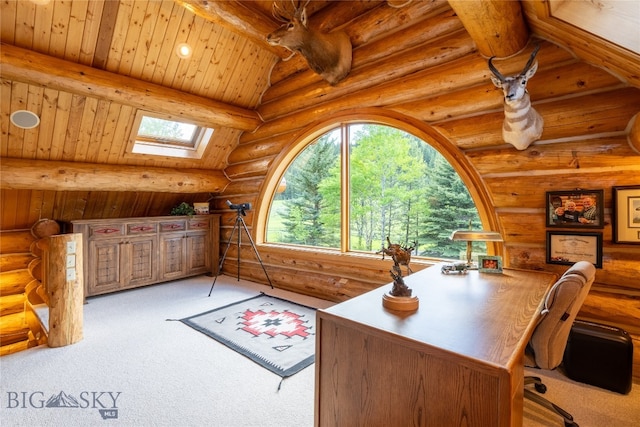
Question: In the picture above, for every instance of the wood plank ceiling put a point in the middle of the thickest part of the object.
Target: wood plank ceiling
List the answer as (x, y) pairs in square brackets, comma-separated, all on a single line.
[(129, 38)]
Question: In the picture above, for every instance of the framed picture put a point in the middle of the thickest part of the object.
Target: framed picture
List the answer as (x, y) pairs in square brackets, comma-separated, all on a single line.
[(565, 247), (489, 264), (626, 214), (576, 208)]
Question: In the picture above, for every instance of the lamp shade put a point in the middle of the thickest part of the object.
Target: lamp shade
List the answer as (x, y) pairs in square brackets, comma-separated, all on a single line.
[(470, 236), (476, 236)]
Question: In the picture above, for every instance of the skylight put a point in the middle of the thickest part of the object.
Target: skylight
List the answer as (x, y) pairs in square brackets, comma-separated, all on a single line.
[(159, 135)]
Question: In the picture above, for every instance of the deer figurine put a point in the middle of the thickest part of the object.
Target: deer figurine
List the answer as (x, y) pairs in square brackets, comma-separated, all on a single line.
[(522, 123), (328, 54), (401, 255)]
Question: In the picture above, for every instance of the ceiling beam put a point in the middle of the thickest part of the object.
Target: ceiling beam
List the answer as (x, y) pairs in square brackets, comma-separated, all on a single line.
[(238, 18), (41, 70), (27, 174), (496, 26)]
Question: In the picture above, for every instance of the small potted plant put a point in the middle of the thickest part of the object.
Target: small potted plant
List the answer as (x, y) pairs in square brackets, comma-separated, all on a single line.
[(183, 209)]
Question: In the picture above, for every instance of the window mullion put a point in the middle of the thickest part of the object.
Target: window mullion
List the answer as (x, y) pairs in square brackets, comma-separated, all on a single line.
[(345, 191)]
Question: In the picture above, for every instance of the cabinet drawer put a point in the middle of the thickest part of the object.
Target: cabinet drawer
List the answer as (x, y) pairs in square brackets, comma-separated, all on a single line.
[(168, 226), (104, 231), (198, 224), (142, 228)]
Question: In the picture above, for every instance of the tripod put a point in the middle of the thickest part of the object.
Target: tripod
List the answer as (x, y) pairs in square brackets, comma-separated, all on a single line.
[(239, 222)]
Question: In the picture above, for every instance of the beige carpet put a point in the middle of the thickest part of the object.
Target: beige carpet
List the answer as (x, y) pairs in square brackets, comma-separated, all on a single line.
[(590, 406), (138, 369)]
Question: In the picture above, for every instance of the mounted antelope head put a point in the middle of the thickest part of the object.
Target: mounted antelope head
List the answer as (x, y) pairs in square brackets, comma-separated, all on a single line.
[(522, 124), (328, 54)]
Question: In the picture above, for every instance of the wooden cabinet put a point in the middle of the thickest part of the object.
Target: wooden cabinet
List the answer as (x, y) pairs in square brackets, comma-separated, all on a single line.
[(132, 252), (184, 247)]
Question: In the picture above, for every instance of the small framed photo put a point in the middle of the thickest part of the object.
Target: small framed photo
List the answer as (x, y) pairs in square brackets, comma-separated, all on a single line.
[(489, 264), (576, 208), (565, 247), (626, 214)]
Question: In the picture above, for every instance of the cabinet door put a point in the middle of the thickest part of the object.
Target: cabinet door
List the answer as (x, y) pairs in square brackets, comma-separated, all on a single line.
[(104, 270), (172, 255), (140, 258), (198, 255)]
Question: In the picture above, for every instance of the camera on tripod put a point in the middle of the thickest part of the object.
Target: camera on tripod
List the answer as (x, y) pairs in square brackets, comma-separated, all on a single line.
[(239, 225), (241, 207)]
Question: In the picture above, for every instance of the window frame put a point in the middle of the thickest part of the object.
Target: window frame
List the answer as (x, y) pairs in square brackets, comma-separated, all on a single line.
[(425, 132), (145, 145)]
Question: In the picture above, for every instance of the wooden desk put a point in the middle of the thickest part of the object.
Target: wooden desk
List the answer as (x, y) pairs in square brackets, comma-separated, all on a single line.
[(456, 361)]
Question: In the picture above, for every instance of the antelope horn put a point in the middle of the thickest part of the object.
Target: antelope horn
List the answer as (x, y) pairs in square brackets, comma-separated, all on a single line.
[(531, 59), (495, 71)]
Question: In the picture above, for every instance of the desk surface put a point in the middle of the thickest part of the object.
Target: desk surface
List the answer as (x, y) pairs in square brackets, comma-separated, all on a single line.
[(484, 316)]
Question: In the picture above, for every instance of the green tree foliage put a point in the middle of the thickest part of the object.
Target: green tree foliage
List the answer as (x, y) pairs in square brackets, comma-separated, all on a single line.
[(450, 207), (385, 185), (166, 129), (399, 186), (306, 205)]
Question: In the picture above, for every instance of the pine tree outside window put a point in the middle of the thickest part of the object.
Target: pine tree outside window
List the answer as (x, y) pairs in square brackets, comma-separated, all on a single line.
[(383, 182)]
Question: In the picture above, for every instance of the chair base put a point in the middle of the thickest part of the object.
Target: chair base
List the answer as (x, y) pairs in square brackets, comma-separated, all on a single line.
[(541, 388)]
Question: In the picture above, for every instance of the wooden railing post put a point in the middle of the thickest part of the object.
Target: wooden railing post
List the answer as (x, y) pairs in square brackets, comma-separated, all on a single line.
[(65, 287)]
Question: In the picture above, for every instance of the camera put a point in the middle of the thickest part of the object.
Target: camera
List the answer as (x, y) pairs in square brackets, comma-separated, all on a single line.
[(241, 207)]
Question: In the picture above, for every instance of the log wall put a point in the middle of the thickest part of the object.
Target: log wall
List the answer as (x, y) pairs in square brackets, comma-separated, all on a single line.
[(587, 114), (15, 258)]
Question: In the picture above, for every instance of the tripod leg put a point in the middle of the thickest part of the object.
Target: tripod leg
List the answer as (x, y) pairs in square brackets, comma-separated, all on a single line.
[(253, 245), (224, 255)]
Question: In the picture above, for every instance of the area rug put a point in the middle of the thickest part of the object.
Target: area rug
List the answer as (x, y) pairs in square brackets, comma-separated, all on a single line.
[(275, 333)]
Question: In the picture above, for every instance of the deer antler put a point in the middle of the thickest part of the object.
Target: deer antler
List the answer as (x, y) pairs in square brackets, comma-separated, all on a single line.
[(279, 14)]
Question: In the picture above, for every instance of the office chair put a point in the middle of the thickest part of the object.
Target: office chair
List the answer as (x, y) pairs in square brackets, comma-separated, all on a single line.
[(546, 347)]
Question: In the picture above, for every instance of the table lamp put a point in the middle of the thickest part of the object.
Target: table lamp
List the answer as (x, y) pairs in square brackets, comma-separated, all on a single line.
[(471, 236)]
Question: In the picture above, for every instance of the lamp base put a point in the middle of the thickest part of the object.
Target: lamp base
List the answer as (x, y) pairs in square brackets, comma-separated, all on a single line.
[(400, 303)]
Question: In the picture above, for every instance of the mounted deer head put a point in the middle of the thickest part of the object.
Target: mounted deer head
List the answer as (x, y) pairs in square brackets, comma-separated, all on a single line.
[(522, 124), (328, 54)]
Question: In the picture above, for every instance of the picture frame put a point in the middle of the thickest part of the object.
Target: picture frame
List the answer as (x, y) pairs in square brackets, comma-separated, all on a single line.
[(567, 248), (489, 264), (575, 208), (626, 214)]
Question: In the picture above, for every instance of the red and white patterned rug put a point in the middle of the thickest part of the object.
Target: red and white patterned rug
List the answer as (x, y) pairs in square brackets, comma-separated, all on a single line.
[(275, 333)]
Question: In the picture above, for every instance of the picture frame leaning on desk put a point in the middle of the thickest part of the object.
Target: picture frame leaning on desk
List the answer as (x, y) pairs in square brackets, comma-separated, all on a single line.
[(490, 264)]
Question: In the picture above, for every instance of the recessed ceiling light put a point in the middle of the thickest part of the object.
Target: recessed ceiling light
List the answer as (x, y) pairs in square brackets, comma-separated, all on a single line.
[(184, 51), (25, 119)]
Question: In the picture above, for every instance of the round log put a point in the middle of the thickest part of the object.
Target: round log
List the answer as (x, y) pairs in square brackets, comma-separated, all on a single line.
[(33, 292), (35, 268), (15, 241), (11, 304), (497, 26), (45, 228), (9, 262), (14, 282), (36, 248), (64, 284), (26, 174)]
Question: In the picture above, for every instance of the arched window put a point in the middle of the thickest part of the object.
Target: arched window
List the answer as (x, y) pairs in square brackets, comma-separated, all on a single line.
[(359, 183)]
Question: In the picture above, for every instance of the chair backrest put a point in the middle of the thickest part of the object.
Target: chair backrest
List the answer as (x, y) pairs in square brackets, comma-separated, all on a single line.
[(561, 307)]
